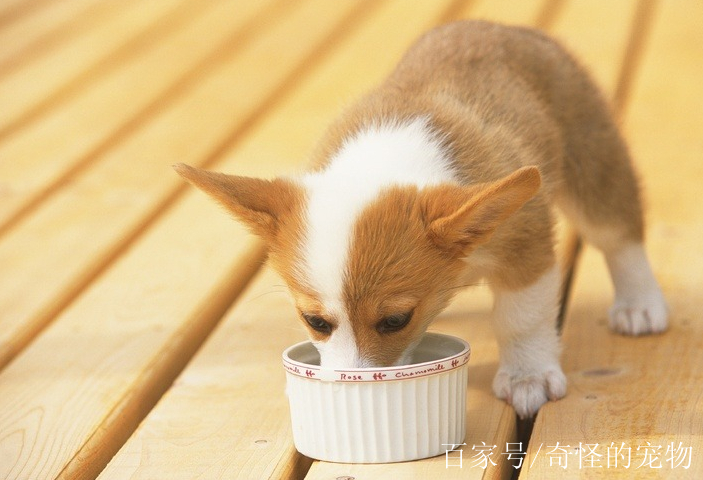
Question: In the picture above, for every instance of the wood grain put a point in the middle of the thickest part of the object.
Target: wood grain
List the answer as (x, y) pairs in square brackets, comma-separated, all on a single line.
[(38, 32)]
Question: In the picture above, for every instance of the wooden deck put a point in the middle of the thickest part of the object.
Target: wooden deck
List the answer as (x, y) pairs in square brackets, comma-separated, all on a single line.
[(140, 332)]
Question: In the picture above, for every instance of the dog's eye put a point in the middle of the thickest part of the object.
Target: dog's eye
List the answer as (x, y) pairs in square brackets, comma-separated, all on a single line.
[(318, 323), (393, 323)]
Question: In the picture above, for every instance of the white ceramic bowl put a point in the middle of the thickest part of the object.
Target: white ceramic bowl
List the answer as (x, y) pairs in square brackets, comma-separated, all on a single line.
[(378, 415)]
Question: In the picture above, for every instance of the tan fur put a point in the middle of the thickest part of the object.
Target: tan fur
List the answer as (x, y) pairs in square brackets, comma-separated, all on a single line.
[(422, 237), (262, 204), (272, 209), (525, 129), (482, 211), (411, 268), (506, 97)]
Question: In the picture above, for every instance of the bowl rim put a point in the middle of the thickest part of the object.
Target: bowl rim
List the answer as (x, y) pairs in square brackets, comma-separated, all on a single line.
[(378, 374)]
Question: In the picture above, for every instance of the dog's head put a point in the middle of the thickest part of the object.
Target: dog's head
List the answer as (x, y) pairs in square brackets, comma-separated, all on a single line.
[(368, 276)]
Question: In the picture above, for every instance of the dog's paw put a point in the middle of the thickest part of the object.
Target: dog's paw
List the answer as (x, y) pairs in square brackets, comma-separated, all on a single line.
[(526, 392), (640, 316)]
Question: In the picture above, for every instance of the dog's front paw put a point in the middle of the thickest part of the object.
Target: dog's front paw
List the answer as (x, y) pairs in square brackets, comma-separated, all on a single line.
[(527, 391), (640, 316)]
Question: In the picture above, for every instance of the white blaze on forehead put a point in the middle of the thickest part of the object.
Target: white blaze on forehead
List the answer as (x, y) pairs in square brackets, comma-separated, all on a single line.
[(374, 159), (340, 350)]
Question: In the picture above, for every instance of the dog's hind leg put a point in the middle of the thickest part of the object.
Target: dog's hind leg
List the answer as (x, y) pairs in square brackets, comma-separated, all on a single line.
[(600, 196), (639, 307)]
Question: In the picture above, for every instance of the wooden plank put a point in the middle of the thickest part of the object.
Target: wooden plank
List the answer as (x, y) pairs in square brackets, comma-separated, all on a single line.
[(105, 361), (625, 391), (506, 11), (132, 182), (14, 10), (108, 110), (226, 410), (74, 395), (93, 112), (46, 28), (23, 88), (162, 440)]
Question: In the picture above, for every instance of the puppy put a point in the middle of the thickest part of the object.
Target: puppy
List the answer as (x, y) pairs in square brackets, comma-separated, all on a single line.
[(446, 174)]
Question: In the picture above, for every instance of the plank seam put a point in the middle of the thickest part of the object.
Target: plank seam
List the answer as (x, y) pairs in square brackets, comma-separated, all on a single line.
[(548, 14), (455, 10), (53, 37), (294, 78), (644, 18), (13, 14), (159, 28), (229, 47), (124, 418)]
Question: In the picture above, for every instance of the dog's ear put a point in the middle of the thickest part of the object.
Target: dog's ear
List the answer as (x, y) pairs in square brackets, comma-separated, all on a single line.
[(460, 218), (257, 203)]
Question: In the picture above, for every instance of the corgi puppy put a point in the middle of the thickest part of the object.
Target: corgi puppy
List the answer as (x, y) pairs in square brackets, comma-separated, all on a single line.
[(445, 174)]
